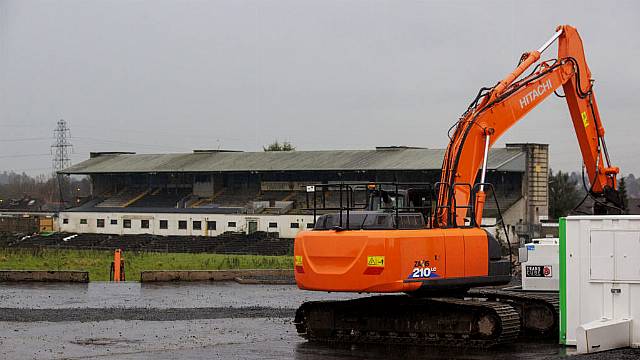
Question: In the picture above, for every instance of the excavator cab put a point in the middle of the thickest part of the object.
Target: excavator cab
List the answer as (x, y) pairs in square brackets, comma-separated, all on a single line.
[(365, 206), (418, 199)]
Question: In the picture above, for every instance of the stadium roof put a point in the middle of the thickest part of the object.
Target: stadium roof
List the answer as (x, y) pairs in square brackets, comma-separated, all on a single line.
[(396, 158)]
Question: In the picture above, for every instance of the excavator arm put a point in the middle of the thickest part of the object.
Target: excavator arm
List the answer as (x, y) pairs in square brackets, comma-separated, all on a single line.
[(496, 109)]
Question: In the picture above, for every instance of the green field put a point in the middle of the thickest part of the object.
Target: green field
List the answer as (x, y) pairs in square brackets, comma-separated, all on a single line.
[(98, 263)]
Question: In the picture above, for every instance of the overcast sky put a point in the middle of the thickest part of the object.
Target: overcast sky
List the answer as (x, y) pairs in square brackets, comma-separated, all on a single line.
[(173, 76)]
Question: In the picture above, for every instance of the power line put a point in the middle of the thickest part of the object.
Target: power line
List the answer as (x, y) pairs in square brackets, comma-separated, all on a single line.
[(28, 169), (108, 141), (22, 156), (25, 139), (146, 132)]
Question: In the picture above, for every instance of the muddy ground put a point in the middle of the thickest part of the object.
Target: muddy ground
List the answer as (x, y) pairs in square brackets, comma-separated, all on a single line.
[(193, 320)]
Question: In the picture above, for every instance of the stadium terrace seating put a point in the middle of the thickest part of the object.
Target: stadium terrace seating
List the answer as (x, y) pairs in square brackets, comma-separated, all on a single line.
[(200, 201), (278, 202), (272, 196), (161, 198), (124, 197), (231, 199), (279, 208)]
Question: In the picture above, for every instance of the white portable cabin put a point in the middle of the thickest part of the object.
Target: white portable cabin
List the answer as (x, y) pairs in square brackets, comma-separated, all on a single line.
[(600, 282)]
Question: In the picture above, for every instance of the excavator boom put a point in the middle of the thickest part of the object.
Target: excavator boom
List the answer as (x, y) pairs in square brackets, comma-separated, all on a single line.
[(499, 108)]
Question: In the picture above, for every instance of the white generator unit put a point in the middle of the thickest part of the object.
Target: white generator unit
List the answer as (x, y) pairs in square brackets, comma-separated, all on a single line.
[(540, 263), (600, 282)]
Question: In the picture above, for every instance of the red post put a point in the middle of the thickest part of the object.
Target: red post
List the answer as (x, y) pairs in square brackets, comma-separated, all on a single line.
[(116, 265)]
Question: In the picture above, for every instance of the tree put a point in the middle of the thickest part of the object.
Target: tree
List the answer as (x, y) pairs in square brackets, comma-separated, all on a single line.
[(41, 187), (563, 194), (633, 187), (277, 146), (622, 188)]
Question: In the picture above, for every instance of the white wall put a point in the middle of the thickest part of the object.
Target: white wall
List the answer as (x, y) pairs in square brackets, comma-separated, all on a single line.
[(283, 223)]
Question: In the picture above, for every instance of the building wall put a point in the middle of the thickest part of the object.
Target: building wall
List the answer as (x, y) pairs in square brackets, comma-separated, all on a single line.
[(28, 221), (87, 222), (512, 217), (535, 184)]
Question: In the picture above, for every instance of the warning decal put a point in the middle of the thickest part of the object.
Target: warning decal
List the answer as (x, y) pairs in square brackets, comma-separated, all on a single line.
[(375, 261)]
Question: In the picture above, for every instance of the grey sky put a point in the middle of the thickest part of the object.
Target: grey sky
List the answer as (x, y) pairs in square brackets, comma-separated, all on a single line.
[(170, 76)]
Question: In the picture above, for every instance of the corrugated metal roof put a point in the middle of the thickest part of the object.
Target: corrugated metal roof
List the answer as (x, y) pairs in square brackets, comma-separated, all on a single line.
[(392, 159)]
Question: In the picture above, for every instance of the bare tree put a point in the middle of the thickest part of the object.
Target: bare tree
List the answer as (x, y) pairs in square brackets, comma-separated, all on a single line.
[(277, 146)]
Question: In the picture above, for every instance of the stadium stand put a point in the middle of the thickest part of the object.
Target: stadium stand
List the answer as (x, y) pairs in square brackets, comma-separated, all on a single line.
[(217, 185)]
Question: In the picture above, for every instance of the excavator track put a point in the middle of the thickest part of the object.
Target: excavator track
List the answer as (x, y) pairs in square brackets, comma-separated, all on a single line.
[(402, 319), (539, 312)]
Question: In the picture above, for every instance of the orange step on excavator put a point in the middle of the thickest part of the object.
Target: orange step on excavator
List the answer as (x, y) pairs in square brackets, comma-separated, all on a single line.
[(435, 251)]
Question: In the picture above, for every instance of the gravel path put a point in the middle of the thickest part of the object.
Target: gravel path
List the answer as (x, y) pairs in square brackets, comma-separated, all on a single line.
[(144, 314)]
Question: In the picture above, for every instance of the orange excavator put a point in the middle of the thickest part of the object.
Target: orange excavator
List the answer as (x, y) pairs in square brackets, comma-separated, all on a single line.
[(433, 255)]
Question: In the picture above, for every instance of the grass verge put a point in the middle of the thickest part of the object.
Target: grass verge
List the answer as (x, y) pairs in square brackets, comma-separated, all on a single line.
[(98, 262)]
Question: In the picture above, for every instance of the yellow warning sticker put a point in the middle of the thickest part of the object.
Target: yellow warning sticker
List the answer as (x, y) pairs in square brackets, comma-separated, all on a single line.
[(585, 120), (298, 260), (375, 261)]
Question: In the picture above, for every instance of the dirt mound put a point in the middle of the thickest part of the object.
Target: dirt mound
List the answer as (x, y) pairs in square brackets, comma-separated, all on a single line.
[(258, 243)]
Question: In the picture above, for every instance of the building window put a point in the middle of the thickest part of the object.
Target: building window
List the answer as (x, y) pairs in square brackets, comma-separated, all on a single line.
[(211, 225), (83, 221), (231, 224), (182, 224), (273, 225), (295, 225), (164, 224), (114, 222), (197, 225), (65, 221), (126, 223), (144, 224), (100, 223), (309, 225)]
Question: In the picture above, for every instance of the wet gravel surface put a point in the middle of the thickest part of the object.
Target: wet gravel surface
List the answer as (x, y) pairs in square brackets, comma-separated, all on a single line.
[(156, 295), (195, 321), (145, 314)]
